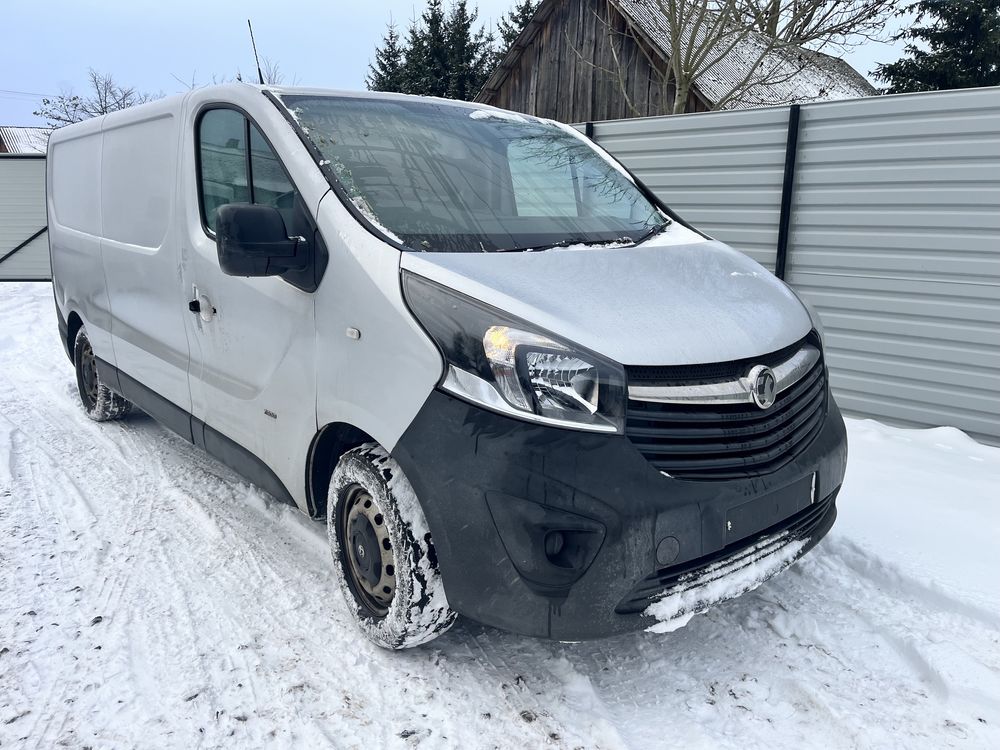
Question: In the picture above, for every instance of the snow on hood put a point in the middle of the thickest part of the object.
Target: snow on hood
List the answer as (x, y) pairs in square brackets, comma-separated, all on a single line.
[(677, 299)]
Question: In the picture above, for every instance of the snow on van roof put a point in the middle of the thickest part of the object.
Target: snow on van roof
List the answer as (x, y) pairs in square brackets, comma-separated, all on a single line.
[(281, 91)]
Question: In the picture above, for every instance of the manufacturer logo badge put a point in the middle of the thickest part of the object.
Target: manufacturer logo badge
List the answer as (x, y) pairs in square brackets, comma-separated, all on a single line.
[(763, 386)]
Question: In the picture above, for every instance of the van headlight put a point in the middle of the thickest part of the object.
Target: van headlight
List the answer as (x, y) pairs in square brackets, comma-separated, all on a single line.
[(506, 365)]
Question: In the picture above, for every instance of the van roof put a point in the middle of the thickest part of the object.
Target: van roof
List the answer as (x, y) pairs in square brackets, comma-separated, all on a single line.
[(385, 95), (167, 103)]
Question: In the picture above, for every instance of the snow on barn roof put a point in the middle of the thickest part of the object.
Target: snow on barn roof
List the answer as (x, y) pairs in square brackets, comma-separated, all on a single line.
[(793, 74), (17, 140)]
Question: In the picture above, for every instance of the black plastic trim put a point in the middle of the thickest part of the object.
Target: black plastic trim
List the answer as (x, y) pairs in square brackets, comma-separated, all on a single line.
[(812, 523), (787, 183), (195, 431), (487, 482)]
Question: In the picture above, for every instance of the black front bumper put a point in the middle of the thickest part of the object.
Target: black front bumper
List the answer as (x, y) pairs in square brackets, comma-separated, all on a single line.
[(551, 532)]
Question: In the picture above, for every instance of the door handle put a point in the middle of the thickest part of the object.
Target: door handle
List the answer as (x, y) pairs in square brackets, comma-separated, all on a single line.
[(202, 307)]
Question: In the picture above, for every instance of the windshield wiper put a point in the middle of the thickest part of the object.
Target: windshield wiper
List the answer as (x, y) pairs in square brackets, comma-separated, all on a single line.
[(571, 241), (652, 232), (624, 241)]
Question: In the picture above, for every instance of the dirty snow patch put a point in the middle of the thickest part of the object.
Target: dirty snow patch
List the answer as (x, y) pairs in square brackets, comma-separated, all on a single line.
[(723, 580)]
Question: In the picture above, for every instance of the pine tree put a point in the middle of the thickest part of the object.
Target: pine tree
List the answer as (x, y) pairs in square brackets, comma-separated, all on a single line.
[(426, 67), (445, 53), (963, 48), (514, 21), (386, 73), (470, 52)]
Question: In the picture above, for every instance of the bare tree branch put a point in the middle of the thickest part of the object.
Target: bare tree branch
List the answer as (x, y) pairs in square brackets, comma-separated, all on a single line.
[(104, 96), (806, 23)]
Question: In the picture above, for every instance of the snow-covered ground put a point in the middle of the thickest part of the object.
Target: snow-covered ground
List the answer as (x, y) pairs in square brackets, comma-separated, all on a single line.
[(150, 598)]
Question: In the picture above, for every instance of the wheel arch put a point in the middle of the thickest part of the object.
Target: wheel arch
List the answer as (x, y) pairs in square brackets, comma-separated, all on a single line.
[(73, 325), (330, 443)]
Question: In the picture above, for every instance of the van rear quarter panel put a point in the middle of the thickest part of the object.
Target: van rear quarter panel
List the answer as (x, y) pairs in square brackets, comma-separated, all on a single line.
[(140, 247), (74, 217)]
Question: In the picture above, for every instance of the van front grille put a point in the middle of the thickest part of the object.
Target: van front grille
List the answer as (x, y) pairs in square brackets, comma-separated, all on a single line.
[(726, 441)]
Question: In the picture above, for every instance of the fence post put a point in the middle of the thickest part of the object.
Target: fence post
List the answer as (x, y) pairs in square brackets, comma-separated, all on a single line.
[(588, 130), (791, 150)]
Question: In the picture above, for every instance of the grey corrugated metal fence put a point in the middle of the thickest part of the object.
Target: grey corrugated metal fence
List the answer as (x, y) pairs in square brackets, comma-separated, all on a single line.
[(893, 234)]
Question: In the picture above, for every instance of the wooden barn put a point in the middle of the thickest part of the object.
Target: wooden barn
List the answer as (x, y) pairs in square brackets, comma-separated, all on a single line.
[(563, 66)]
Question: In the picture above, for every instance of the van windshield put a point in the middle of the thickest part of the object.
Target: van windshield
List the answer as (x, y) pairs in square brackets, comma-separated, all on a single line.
[(444, 177)]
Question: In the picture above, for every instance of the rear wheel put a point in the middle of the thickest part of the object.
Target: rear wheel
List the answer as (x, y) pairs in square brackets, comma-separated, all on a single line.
[(383, 551), (99, 402)]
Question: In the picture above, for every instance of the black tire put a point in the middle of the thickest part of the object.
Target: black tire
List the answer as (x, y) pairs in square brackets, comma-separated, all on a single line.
[(99, 402), (383, 552)]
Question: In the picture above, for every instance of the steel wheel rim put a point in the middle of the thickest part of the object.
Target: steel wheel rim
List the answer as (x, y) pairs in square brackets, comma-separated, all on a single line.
[(88, 370), (366, 552)]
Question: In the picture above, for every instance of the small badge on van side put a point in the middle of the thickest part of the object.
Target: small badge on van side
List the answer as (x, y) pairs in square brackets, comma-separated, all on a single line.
[(270, 413)]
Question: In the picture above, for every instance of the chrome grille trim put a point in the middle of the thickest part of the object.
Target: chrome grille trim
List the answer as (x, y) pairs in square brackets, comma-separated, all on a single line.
[(731, 391)]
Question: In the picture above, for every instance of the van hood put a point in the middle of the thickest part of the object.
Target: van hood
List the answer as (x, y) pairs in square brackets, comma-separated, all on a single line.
[(658, 304)]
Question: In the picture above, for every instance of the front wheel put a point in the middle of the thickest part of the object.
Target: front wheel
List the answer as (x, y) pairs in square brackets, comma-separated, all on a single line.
[(99, 402), (383, 551)]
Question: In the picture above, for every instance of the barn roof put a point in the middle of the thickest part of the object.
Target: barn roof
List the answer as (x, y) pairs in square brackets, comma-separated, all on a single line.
[(795, 74), (17, 140)]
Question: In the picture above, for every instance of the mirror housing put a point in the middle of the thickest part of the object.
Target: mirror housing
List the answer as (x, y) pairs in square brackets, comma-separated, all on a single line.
[(252, 241)]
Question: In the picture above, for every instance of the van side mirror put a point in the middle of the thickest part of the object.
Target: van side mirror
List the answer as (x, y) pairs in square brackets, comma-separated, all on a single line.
[(252, 241)]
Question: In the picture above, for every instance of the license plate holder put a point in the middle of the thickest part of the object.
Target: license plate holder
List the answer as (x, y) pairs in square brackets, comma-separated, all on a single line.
[(763, 512)]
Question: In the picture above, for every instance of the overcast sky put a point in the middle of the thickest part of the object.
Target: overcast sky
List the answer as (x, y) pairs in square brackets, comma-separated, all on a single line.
[(47, 47)]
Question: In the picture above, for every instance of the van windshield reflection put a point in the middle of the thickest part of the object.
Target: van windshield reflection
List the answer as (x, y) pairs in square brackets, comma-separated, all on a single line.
[(443, 177)]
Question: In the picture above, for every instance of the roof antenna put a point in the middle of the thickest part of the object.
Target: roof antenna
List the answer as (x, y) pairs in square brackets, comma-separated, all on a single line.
[(260, 75)]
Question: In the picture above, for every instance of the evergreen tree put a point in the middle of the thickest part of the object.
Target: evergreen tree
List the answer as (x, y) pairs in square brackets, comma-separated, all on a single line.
[(470, 52), (386, 73), (427, 52), (963, 41), (514, 21), (446, 52)]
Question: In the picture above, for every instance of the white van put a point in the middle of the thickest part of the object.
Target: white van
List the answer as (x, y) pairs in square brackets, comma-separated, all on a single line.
[(515, 385)]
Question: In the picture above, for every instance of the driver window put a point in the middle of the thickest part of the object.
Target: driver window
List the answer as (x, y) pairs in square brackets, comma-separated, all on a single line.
[(271, 186), (223, 149), (232, 173)]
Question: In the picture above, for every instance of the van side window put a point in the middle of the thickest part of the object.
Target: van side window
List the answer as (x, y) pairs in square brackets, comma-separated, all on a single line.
[(270, 185), (233, 173), (223, 146)]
